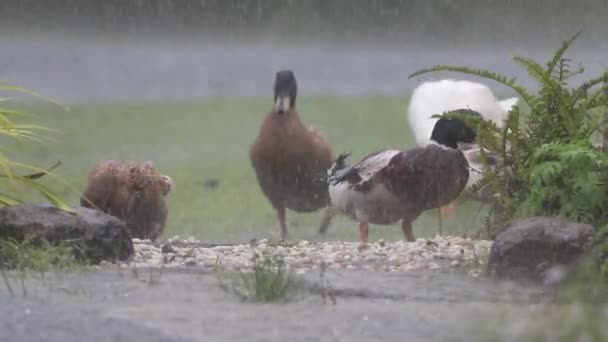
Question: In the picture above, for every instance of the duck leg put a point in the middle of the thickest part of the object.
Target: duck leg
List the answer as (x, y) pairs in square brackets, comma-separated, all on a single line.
[(326, 221), (281, 216), (406, 226), (364, 234), (447, 210)]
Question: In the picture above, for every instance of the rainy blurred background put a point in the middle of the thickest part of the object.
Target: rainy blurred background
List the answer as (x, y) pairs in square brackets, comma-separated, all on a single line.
[(186, 83)]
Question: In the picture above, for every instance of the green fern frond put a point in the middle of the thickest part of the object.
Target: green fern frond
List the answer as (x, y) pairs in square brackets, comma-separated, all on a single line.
[(547, 164), (559, 53)]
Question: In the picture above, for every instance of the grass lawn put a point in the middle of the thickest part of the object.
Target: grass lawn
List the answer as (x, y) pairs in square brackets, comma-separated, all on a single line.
[(195, 141)]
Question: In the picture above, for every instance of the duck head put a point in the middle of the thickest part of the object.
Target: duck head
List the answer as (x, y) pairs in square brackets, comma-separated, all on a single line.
[(451, 131), (285, 91), (167, 185)]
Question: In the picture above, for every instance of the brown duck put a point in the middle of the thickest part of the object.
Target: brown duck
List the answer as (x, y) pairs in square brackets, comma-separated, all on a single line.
[(133, 191), (290, 159), (393, 185)]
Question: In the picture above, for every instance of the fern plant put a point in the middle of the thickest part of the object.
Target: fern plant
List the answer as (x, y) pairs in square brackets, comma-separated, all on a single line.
[(11, 170), (548, 165)]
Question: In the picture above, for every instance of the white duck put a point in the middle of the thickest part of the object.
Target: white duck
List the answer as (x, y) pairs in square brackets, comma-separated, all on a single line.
[(437, 97)]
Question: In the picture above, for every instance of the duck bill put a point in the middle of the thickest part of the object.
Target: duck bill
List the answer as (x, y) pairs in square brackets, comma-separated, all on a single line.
[(282, 104)]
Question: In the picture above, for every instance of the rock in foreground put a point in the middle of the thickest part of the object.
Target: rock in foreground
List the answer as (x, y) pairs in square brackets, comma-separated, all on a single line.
[(529, 247), (99, 236)]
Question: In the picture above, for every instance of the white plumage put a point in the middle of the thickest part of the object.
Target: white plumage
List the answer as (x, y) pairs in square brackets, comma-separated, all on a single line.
[(437, 97)]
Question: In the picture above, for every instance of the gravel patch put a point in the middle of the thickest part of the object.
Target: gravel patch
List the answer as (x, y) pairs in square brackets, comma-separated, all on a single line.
[(305, 256)]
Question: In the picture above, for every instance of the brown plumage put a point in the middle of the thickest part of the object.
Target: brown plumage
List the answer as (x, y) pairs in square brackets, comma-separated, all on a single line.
[(393, 185), (291, 160), (132, 191)]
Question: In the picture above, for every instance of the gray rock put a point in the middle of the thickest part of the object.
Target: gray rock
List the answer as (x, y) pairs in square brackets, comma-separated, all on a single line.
[(529, 247), (99, 236)]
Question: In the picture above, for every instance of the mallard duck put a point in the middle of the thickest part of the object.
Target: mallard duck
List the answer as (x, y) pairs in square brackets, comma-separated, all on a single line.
[(132, 191), (437, 97), (392, 185), (290, 159)]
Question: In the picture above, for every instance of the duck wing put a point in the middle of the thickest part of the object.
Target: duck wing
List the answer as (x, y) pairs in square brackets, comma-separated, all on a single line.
[(361, 172), (427, 177)]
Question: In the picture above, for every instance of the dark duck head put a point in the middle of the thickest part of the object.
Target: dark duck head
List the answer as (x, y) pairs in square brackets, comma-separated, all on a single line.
[(285, 91), (451, 131)]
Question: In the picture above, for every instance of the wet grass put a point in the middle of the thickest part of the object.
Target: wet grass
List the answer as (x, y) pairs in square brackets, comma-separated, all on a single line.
[(269, 281), (199, 143)]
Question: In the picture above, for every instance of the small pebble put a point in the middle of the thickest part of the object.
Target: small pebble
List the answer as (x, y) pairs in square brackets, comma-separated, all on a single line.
[(398, 256), (167, 248)]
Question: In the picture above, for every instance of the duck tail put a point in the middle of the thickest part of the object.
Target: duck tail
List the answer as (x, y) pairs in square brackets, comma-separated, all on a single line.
[(338, 166), (341, 160)]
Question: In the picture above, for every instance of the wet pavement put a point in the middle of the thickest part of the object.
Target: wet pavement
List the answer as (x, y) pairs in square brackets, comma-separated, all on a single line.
[(147, 70), (188, 305)]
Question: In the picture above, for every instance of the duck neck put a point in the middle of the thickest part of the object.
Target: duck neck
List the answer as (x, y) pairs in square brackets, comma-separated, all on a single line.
[(443, 144)]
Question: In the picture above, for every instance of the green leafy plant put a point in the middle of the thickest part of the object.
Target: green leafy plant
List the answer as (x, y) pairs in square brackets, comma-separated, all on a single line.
[(11, 168), (547, 162), (269, 281), (35, 255)]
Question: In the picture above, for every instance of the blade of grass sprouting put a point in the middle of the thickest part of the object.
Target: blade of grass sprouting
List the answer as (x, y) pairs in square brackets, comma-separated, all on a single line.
[(56, 177), (24, 90), (27, 135), (8, 200), (21, 137), (6, 121), (5, 165), (37, 127), (247, 283), (48, 193), (17, 112), (41, 174)]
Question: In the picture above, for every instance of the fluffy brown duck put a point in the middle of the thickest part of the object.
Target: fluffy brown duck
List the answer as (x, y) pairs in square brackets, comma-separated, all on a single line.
[(132, 191), (290, 159), (393, 185)]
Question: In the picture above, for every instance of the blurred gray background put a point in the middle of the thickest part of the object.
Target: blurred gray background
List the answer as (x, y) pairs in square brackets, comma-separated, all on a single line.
[(114, 50)]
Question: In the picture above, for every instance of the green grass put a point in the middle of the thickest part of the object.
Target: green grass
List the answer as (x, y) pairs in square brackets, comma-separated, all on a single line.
[(269, 281), (194, 141), (37, 255)]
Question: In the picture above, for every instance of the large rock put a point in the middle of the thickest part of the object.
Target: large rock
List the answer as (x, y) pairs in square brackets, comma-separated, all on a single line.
[(100, 236), (529, 247)]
